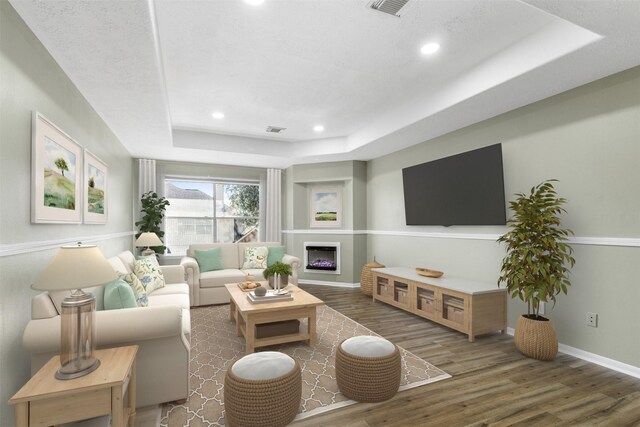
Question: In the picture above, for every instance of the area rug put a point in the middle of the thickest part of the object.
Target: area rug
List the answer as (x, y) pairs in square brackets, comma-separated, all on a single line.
[(215, 346)]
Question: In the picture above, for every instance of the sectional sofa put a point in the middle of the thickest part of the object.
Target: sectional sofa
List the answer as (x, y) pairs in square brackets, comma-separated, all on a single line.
[(162, 331)]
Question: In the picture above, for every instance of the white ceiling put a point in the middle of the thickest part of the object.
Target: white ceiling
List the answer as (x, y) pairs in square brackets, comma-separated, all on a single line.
[(155, 70)]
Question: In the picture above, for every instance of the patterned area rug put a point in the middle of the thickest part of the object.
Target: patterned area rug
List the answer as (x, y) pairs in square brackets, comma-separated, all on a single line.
[(215, 346)]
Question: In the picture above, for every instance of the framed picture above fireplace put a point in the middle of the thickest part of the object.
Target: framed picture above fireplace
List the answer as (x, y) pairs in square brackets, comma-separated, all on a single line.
[(326, 207)]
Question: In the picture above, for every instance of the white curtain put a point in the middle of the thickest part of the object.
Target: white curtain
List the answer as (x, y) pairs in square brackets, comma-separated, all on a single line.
[(273, 208), (146, 182), (147, 176)]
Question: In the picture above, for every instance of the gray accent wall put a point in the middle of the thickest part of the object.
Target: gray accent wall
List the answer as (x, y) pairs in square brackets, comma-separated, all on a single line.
[(31, 80), (587, 138)]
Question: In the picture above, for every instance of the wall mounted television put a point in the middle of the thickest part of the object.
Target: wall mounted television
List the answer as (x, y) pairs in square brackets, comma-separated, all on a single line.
[(465, 189)]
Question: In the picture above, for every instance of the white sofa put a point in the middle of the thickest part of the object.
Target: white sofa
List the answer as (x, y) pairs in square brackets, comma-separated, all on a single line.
[(208, 287), (162, 331)]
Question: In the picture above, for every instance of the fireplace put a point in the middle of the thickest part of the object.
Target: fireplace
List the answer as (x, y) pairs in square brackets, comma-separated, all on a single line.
[(322, 257)]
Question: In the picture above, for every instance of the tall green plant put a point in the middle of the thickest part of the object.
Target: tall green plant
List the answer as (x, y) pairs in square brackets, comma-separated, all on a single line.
[(153, 208), (535, 267)]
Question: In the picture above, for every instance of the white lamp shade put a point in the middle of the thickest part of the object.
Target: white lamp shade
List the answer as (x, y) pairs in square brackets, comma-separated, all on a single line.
[(148, 239), (75, 267)]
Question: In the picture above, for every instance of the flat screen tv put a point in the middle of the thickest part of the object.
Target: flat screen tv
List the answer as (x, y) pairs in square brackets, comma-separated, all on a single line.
[(465, 189)]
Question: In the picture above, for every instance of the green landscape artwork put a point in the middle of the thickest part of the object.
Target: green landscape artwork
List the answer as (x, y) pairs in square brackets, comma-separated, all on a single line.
[(95, 190), (59, 176), (326, 206)]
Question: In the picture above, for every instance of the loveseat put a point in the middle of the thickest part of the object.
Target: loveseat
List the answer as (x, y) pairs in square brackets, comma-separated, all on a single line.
[(208, 287), (162, 331)]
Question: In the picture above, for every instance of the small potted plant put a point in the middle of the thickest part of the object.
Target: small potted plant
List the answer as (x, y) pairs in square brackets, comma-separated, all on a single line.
[(535, 268), (284, 270)]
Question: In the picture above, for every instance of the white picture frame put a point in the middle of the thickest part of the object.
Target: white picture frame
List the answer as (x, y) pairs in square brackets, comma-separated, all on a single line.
[(325, 207), (55, 197), (95, 190)]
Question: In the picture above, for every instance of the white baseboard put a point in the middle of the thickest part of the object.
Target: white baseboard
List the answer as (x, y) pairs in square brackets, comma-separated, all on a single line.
[(324, 283), (615, 365)]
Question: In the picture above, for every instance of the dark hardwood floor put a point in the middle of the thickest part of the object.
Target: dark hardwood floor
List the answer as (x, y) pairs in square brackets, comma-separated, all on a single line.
[(492, 384)]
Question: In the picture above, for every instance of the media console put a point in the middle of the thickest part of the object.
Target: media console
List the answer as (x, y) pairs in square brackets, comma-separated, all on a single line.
[(473, 308)]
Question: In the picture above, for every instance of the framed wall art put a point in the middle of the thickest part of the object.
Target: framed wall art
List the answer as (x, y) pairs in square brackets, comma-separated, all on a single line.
[(95, 189), (326, 207), (56, 174)]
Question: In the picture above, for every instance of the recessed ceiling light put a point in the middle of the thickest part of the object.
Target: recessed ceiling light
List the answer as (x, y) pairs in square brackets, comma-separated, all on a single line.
[(217, 115), (429, 48), (254, 2), (318, 128)]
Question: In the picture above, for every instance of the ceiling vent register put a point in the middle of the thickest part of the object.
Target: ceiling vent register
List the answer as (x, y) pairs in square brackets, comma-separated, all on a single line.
[(392, 7), (275, 129)]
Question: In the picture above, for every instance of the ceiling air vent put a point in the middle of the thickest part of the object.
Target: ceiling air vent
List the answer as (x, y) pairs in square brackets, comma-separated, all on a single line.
[(392, 7), (275, 129)]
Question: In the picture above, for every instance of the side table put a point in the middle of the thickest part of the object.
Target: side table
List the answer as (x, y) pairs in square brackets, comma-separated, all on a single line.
[(45, 400)]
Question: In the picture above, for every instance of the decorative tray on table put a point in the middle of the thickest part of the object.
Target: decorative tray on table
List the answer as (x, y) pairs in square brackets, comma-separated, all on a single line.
[(248, 286)]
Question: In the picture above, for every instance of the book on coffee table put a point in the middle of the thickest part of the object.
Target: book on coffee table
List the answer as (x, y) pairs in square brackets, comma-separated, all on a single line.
[(271, 296)]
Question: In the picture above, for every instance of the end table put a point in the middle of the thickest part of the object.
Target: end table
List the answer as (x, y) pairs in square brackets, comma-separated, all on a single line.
[(45, 400)]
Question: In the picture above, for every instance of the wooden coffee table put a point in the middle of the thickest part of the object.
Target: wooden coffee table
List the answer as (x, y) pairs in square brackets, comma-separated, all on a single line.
[(247, 315)]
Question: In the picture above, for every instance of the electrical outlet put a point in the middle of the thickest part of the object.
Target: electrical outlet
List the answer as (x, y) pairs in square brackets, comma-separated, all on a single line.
[(592, 320)]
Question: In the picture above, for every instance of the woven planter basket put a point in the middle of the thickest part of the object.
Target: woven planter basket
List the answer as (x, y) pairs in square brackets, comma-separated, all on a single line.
[(366, 277), (536, 338), (368, 379), (258, 403)]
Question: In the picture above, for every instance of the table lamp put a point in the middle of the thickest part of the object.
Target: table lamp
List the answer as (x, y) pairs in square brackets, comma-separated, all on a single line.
[(73, 268), (148, 239)]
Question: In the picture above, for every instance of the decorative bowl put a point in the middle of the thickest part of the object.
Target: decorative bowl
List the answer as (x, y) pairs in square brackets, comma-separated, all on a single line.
[(428, 273)]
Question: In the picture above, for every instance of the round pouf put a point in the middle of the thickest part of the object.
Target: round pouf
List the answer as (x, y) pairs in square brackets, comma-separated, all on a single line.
[(368, 368), (262, 389)]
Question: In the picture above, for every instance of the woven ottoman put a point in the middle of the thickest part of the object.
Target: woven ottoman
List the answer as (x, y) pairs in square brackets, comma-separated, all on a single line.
[(368, 368), (262, 389)]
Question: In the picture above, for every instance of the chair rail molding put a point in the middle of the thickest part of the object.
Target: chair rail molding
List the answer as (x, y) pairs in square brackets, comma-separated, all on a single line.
[(577, 240), (43, 245)]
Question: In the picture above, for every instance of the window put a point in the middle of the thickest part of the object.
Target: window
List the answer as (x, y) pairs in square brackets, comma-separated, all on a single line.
[(210, 212)]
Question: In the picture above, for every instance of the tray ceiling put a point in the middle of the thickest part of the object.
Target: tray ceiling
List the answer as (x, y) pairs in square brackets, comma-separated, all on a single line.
[(156, 70)]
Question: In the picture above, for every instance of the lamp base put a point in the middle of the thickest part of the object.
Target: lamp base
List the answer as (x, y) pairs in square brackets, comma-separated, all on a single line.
[(71, 375), (148, 252), (78, 336)]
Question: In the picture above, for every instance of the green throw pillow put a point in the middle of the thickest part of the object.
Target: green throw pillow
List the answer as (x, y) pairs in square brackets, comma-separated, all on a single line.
[(276, 253), (209, 259), (118, 294)]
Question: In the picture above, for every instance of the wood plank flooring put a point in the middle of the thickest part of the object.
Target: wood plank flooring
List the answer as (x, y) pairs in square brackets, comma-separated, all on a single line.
[(492, 384)]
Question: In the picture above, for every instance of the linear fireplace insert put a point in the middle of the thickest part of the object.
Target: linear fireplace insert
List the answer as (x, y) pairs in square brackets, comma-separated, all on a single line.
[(322, 257)]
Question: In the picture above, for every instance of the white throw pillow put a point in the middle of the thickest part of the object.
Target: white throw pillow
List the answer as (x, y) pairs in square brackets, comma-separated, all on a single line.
[(255, 257), (149, 274)]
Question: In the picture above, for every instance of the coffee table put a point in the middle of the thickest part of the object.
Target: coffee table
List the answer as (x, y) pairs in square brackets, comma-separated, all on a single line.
[(247, 315)]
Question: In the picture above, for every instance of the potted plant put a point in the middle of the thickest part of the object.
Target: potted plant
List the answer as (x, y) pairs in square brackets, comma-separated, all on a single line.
[(284, 270), (535, 268), (153, 208)]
